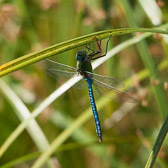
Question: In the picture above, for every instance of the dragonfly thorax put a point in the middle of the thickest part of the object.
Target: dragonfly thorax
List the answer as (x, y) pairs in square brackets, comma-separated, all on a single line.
[(81, 55), (83, 63)]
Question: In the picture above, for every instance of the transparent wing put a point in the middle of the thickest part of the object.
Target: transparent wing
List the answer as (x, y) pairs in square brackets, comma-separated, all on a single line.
[(110, 81), (58, 66), (55, 70), (104, 84), (63, 72), (103, 88), (54, 73)]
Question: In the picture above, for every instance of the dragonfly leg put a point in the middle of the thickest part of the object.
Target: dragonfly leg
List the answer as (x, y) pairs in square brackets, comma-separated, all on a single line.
[(91, 55), (99, 51), (89, 49)]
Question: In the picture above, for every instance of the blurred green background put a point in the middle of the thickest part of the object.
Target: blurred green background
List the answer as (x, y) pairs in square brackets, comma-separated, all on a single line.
[(128, 136)]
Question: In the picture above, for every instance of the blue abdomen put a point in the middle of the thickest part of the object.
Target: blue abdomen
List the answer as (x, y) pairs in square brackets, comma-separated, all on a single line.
[(94, 109)]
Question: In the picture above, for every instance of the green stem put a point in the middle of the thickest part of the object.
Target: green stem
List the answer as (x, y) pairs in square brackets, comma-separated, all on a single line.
[(68, 45)]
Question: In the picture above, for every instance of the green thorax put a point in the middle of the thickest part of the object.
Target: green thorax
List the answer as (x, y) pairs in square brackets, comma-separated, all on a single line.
[(83, 63)]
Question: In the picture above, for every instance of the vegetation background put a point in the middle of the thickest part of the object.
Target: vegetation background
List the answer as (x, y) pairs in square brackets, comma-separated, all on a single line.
[(129, 129)]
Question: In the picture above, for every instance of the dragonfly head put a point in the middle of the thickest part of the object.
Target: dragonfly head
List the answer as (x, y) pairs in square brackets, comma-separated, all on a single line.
[(81, 55)]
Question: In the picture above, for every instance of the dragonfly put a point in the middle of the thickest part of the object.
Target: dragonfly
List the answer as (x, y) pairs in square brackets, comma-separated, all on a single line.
[(84, 68)]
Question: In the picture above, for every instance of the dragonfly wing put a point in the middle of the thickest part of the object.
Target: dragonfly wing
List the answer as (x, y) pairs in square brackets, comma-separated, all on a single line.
[(57, 70), (110, 81), (54, 73), (103, 88), (58, 66), (63, 72), (80, 85)]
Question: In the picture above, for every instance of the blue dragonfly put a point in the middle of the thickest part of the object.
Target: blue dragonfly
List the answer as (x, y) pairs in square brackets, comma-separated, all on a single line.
[(84, 68)]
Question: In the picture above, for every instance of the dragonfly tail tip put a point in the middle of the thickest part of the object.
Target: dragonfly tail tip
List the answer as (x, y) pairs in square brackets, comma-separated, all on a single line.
[(100, 139)]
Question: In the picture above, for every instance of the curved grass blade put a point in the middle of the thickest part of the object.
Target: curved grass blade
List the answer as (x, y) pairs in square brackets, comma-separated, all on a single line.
[(68, 45), (160, 138), (149, 160), (21, 160)]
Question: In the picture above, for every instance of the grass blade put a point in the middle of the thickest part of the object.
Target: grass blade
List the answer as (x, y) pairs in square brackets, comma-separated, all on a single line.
[(160, 138), (68, 45)]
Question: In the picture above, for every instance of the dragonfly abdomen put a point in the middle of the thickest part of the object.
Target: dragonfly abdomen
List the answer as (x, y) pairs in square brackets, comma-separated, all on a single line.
[(94, 109)]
